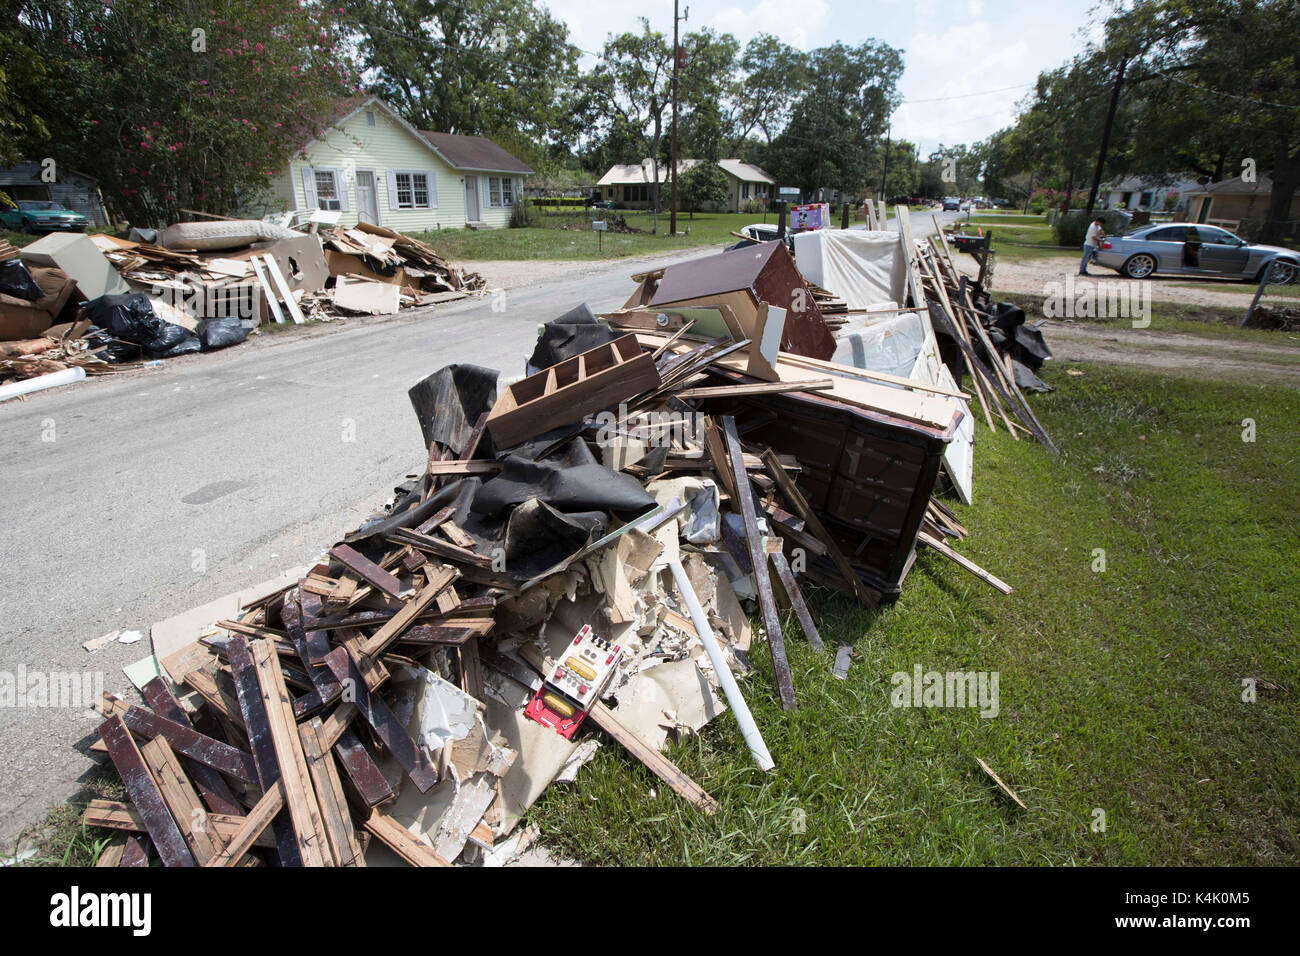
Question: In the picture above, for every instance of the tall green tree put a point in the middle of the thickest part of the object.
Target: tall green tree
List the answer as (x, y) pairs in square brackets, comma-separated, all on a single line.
[(172, 104), (774, 75), (501, 68)]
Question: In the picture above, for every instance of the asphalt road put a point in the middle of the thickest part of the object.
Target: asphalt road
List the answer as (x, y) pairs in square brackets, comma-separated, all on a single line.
[(131, 498)]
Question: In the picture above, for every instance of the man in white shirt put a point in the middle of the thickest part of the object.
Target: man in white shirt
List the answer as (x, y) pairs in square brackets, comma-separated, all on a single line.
[(1092, 244)]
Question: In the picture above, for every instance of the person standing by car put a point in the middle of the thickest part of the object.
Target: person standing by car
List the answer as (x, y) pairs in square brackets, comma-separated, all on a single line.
[(1092, 244)]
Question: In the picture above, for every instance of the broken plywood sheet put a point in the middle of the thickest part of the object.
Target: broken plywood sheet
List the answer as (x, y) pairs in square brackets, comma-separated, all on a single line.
[(366, 296)]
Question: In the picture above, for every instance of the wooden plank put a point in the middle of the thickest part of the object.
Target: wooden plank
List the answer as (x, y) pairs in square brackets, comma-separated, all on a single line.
[(368, 781), (795, 498), (336, 818), (401, 841), (390, 730), (251, 827), (257, 724), (655, 762), (457, 467), (758, 561), (758, 388), (211, 753), (277, 277), (441, 549), (212, 786), (145, 794), (267, 290), (368, 571), (794, 598), (935, 544), (133, 854), (717, 452), (407, 615), (111, 855), (181, 800), (116, 815), (310, 645), (299, 795)]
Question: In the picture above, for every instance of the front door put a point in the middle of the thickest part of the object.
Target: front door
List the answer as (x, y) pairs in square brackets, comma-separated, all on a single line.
[(471, 199), (367, 197)]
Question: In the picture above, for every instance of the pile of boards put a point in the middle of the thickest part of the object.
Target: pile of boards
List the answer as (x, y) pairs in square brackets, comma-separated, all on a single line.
[(403, 698)]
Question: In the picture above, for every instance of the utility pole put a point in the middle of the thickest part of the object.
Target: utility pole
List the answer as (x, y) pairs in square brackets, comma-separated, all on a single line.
[(675, 161), (1105, 136), (885, 174)]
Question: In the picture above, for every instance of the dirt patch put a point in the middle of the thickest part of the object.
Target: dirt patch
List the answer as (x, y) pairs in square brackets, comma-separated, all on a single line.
[(1175, 353), (1032, 276)]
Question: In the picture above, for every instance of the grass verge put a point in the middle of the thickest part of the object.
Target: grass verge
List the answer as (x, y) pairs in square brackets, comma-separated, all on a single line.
[(1120, 690)]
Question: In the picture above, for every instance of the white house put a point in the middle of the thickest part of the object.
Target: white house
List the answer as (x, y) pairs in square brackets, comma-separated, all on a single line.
[(630, 185), (371, 165), (1148, 193)]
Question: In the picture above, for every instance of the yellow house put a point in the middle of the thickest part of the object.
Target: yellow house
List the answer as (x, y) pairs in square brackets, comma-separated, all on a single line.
[(371, 165)]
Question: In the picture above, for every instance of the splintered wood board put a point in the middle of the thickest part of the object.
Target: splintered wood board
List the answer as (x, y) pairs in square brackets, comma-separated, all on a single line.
[(563, 393)]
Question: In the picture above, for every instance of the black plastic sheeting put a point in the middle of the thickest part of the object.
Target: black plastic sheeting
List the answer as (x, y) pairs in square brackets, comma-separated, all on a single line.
[(573, 333), (17, 281), (131, 318), (571, 480), (1027, 345), (449, 402)]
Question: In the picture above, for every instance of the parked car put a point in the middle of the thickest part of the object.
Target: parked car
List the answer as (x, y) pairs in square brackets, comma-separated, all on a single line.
[(1185, 248), (42, 215), (951, 203)]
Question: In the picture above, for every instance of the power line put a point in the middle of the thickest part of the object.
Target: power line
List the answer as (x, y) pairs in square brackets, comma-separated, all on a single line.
[(1231, 96), (963, 96)]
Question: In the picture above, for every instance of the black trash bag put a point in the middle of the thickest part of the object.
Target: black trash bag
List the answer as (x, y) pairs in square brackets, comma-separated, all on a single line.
[(573, 333), (131, 317), (111, 350), (570, 480), (221, 333), (1026, 380), (17, 281)]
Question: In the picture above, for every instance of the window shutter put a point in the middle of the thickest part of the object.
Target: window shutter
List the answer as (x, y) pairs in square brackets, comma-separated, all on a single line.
[(433, 188), (392, 189), (309, 186), (341, 186)]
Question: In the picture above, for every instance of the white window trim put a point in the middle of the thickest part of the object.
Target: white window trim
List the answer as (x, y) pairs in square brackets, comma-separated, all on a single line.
[(501, 180), (309, 191), (432, 179)]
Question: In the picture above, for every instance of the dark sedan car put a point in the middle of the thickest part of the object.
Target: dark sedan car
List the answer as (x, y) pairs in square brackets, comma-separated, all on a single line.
[(1184, 248)]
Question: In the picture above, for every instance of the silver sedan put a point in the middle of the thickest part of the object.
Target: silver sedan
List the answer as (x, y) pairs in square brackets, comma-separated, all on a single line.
[(1185, 248)]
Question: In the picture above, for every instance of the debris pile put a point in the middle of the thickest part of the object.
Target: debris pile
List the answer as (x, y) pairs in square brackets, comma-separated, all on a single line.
[(197, 287), (567, 568)]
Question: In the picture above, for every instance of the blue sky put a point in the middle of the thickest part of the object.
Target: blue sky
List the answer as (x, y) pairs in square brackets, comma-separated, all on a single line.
[(954, 48)]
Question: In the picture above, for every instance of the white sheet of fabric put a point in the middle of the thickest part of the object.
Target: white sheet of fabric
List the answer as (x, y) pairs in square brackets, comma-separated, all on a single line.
[(862, 267)]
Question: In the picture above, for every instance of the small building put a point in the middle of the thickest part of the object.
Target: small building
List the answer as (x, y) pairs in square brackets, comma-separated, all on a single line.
[(631, 186), (1232, 203), (72, 189), (1152, 194), (369, 164)]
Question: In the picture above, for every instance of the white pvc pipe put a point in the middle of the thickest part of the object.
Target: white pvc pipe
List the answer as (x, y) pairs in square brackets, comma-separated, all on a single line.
[(49, 380), (748, 729)]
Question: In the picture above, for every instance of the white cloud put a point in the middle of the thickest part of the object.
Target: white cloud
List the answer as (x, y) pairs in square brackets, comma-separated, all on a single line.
[(799, 22)]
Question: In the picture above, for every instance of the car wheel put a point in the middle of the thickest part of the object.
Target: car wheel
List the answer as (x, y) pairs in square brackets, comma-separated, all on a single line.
[(28, 227), (1281, 273), (1139, 266)]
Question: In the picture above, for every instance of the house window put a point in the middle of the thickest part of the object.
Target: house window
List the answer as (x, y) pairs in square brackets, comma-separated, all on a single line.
[(501, 191), (370, 117), (328, 194), (412, 190), (744, 190)]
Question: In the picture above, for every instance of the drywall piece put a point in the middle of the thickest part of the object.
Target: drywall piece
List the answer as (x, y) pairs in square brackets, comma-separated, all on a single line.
[(366, 296), (80, 259), (668, 698), (302, 260)]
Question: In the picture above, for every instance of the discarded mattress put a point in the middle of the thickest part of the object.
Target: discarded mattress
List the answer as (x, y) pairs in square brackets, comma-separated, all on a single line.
[(864, 268), (223, 234)]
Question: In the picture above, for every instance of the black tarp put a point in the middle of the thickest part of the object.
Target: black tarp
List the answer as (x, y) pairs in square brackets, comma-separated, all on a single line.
[(573, 333), (449, 402), (570, 479)]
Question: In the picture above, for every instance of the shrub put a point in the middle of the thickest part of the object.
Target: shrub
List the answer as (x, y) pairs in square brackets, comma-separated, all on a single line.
[(520, 214)]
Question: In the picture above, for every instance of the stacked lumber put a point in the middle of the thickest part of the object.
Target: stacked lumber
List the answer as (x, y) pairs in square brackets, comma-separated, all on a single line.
[(951, 300)]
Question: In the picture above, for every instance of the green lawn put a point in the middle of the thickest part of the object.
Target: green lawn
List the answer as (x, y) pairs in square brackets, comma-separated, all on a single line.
[(1120, 691), (549, 240)]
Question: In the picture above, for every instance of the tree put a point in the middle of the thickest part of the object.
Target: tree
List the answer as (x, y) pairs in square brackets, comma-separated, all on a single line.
[(834, 125), (775, 74), (628, 92), (500, 68), (702, 184), (172, 107)]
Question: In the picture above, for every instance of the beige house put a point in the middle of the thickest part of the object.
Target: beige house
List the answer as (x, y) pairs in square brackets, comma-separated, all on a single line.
[(1230, 202), (371, 165), (630, 186)]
